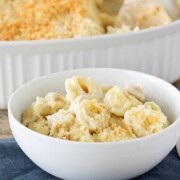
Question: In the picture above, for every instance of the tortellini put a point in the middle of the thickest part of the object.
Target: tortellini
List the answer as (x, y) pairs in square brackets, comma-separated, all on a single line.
[(83, 86), (56, 101), (60, 123), (142, 14), (135, 91), (119, 101), (43, 107), (63, 125), (93, 113), (106, 88), (116, 131), (145, 119), (41, 126), (37, 110)]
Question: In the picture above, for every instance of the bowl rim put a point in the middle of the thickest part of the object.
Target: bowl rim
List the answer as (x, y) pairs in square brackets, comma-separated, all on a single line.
[(58, 140), (102, 37)]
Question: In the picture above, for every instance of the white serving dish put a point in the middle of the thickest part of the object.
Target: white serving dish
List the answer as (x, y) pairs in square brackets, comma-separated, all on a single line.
[(82, 160), (155, 51)]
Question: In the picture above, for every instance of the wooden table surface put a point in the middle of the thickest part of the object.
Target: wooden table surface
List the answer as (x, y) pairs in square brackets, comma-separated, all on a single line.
[(5, 131)]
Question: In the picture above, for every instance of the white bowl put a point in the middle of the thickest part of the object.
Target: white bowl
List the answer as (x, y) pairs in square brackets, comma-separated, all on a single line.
[(155, 51), (82, 160)]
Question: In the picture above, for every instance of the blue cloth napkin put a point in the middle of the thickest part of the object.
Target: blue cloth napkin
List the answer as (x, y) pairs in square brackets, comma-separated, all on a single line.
[(15, 165)]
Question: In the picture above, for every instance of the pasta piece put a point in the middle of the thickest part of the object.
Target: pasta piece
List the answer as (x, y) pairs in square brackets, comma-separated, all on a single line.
[(60, 123), (135, 91), (83, 86), (145, 119), (40, 126), (116, 131), (64, 126), (74, 104), (92, 115), (80, 133), (37, 110), (122, 29), (119, 101), (106, 88), (43, 107), (142, 14), (56, 101), (112, 135)]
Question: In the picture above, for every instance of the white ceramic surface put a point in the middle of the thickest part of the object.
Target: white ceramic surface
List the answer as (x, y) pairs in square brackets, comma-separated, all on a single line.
[(79, 160), (155, 51)]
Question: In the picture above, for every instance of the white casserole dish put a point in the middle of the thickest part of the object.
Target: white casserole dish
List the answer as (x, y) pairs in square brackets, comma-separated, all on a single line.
[(89, 160), (155, 51)]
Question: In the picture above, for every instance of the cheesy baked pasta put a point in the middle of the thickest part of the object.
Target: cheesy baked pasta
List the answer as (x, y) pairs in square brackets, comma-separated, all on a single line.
[(57, 19), (90, 112)]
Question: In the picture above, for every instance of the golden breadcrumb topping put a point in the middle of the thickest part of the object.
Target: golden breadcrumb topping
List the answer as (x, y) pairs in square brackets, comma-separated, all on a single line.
[(55, 19), (48, 19)]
